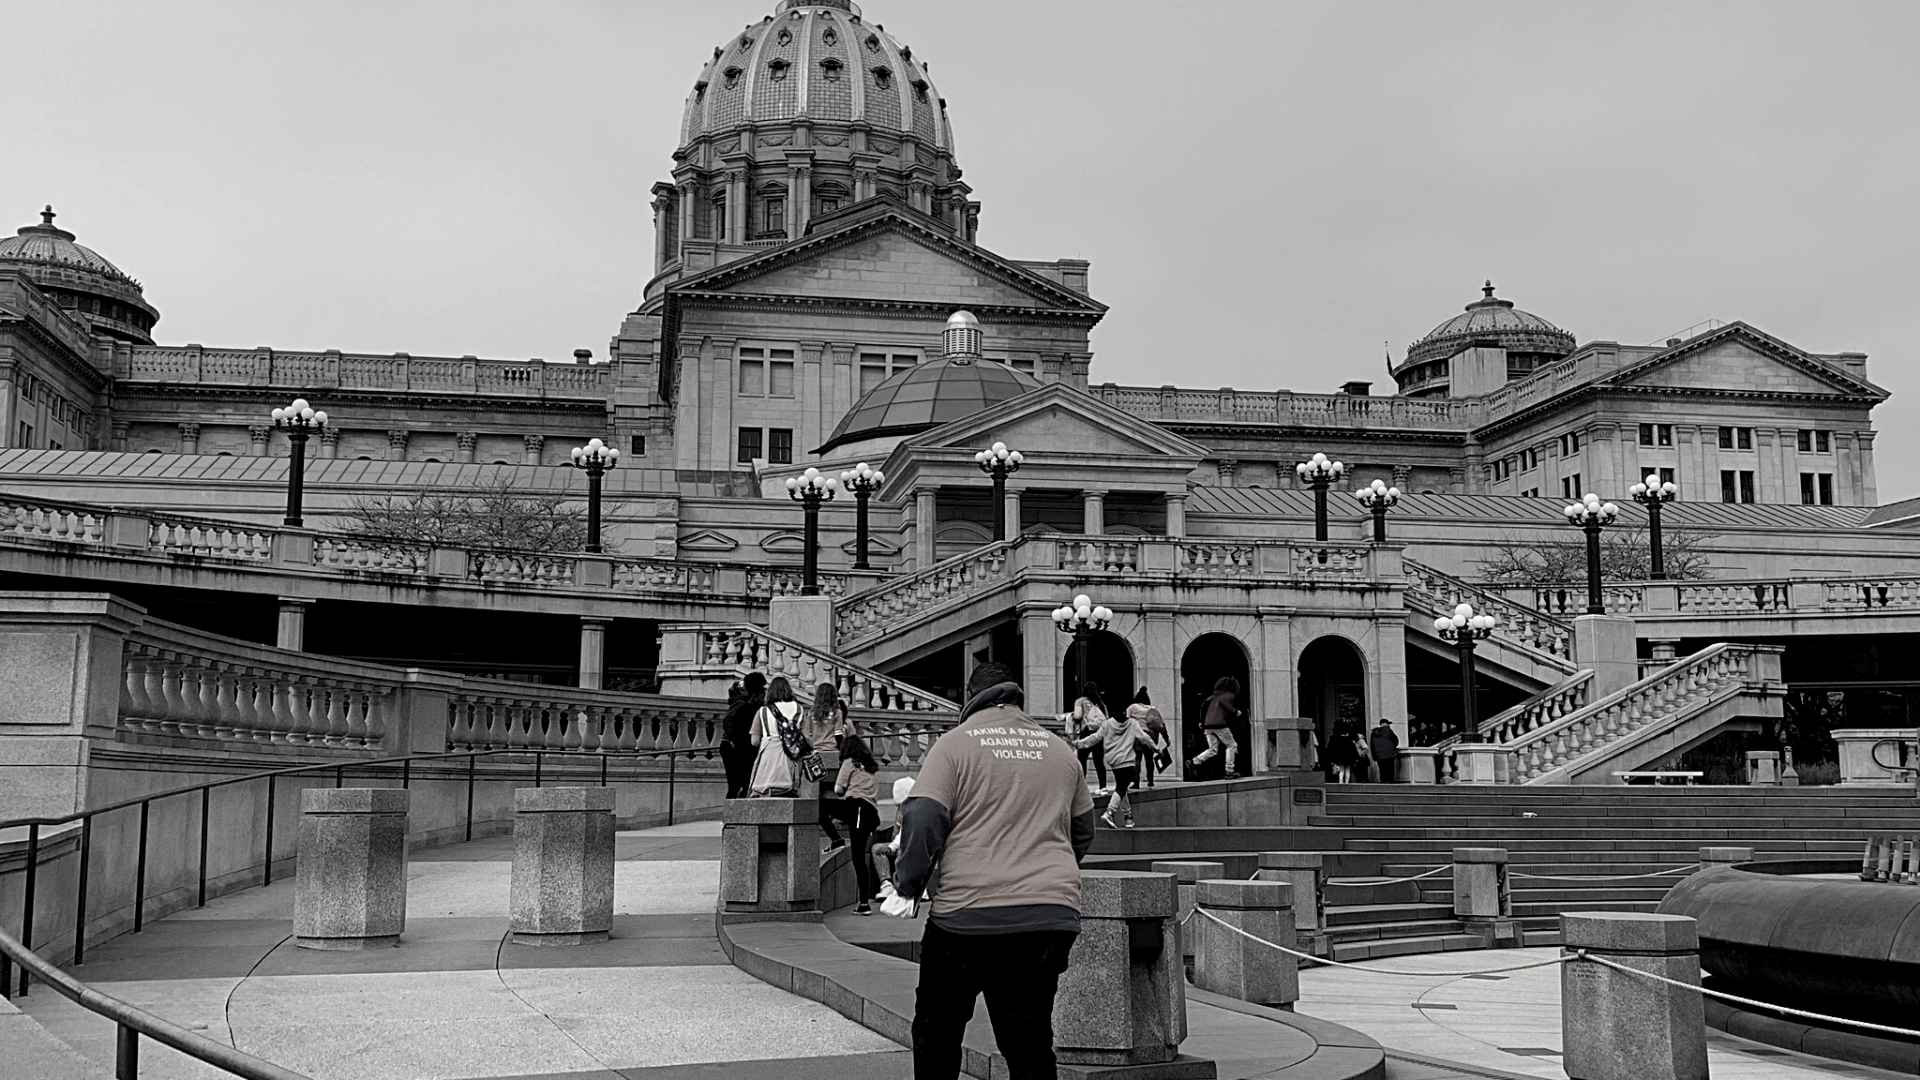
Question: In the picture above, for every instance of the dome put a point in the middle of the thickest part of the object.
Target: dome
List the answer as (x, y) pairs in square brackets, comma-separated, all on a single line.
[(86, 285), (817, 60), (1530, 341), (929, 395)]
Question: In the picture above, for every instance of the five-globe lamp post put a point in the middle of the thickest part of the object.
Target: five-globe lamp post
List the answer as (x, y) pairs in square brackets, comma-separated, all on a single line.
[(1082, 619), (1463, 628), (1318, 472), (1652, 493), (299, 421), (1592, 515), (999, 463), (863, 480), (1377, 497), (810, 489), (594, 459)]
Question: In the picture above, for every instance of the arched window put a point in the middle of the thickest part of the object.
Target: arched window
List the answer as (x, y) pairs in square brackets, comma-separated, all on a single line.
[(830, 69)]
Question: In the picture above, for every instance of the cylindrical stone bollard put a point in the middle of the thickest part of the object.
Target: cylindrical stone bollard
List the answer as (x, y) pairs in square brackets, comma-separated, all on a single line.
[(1231, 963), (1185, 874), (1480, 883), (770, 859), (1616, 1026), (562, 865), (1123, 998), (350, 890), (1713, 857)]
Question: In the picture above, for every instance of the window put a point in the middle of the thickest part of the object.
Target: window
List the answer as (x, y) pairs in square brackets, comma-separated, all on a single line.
[(1816, 489), (1569, 443), (776, 219), (1646, 434), (1663, 434), (1806, 447), (830, 68), (1806, 487), (1022, 364), (749, 445), (1826, 489), (1531, 493), (829, 203), (882, 77), (780, 373), (1726, 438), (873, 370), (719, 221), (1822, 442), (1570, 486), (780, 446), (1732, 438), (1746, 438), (1529, 459), (1746, 486), (639, 446), (26, 435), (753, 373), (1667, 475)]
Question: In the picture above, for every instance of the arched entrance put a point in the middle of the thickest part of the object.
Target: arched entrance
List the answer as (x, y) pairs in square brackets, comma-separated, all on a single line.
[(1333, 689), (1109, 664), (1208, 659)]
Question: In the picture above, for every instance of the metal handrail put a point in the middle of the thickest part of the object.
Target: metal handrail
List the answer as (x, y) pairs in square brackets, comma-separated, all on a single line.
[(131, 1023)]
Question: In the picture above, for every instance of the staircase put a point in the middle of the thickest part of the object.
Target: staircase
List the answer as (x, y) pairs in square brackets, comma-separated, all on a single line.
[(1531, 650), (927, 604)]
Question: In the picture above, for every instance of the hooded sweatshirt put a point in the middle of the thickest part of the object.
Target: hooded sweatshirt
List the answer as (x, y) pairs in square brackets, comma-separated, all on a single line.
[(1119, 737)]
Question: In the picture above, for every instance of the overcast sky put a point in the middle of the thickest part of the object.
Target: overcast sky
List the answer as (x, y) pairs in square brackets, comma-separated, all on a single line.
[(1268, 191)]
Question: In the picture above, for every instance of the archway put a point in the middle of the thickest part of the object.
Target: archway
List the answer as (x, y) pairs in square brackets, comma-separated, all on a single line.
[(1109, 665), (1333, 688), (1208, 659)]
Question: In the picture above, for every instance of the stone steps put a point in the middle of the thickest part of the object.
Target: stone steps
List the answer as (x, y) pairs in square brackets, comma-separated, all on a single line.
[(1362, 914), (1352, 951), (1395, 929)]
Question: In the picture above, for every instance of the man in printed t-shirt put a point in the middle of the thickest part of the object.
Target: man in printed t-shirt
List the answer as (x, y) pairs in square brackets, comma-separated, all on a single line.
[(998, 823)]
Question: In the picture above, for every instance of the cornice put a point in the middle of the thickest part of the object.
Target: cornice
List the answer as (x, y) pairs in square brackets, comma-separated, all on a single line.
[(918, 309), (1597, 391), (57, 350), (1224, 430), (391, 399)]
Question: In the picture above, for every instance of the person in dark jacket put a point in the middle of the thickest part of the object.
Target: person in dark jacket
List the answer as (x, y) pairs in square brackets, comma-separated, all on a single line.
[(1222, 710), (1384, 745), (1341, 753), (736, 747)]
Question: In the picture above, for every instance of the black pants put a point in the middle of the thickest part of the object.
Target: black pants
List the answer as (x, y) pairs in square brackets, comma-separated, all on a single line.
[(1018, 973), (738, 761), (862, 819), (1099, 755)]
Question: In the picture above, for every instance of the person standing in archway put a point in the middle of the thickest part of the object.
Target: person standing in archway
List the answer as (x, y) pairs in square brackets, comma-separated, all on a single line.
[(1222, 709), (1384, 745)]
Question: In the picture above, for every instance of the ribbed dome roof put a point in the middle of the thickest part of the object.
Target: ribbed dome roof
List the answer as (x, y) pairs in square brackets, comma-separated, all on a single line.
[(74, 276), (929, 395), (1491, 318), (816, 59), (46, 243)]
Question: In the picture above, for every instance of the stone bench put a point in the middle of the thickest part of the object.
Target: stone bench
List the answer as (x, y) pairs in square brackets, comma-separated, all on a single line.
[(1659, 776)]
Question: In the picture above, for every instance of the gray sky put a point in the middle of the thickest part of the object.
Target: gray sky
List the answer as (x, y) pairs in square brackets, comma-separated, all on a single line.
[(1267, 191)]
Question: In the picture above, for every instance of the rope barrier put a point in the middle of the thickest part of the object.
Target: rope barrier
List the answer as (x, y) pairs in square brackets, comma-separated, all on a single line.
[(1358, 882), (1602, 877), (1377, 970), (1581, 954)]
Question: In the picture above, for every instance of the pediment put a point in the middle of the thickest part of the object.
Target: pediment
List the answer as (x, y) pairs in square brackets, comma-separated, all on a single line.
[(877, 548), (785, 542), (1069, 423), (1738, 359), (708, 541), (890, 257)]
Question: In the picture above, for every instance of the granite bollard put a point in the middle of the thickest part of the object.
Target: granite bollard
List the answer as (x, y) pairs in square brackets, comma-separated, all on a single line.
[(1306, 872), (1763, 768), (1245, 965), (1123, 998), (1617, 1026), (1712, 857), (350, 890), (1483, 897), (1185, 875), (562, 890), (770, 860)]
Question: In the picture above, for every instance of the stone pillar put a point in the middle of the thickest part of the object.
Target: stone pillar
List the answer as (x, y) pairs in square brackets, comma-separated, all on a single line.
[(1483, 897), (397, 440), (466, 441), (1177, 515), (770, 860), (1093, 512), (329, 443), (562, 890), (1186, 875), (1123, 999), (292, 633), (806, 619), (1763, 768), (593, 652), (531, 445), (1280, 744), (1616, 1026), (1712, 858), (1606, 644), (1013, 512), (62, 670), (189, 438), (350, 891), (925, 507), (1306, 872), (1232, 964), (1478, 763), (257, 437)]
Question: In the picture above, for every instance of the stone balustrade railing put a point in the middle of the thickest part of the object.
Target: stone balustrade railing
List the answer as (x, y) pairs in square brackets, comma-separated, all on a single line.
[(509, 716), (1344, 411), (1690, 684), (704, 658), (1543, 709), (881, 609), (44, 519), (1517, 622), (1571, 600), (309, 371), (1534, 638)]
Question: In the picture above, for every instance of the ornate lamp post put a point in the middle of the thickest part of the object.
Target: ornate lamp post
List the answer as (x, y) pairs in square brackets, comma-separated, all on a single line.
[(1081, 619), (1318, 472), (999, 463), (1592, 515), (863, 480), (1651, 494), (1378, 497), (596, 458), (810, 489), (1463, 628), (299, 421)]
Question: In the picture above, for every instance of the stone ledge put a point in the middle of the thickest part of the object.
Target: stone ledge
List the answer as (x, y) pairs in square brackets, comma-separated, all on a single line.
[(1858, 1047)]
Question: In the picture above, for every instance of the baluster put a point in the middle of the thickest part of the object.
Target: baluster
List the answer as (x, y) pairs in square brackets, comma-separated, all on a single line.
[(459, 723), (623, 725), (229, 724), (374, 716), (593, 720), (206, 702), (353, 715), (329, 715), (254, 700), (132, 690), (682, 735), (575, 736)]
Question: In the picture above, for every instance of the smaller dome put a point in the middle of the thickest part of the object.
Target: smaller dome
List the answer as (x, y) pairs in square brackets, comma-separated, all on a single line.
[(47, 243), (74, 276), (934, 393), (1494, 319), (962, 320)]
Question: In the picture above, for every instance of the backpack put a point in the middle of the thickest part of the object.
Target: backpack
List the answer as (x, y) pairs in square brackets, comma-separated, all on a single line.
[(798, 748)]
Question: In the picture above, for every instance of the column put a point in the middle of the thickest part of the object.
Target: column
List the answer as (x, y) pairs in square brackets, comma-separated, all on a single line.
[(257, 436), (531, 445), (466, 441), (1229, 471), (189, 438), (292, 633), (350, 889), (593, 652), (1013, 513), (1093, 512), (1869, 486), (120, 430), (329, 442), (686, 203), (1177, 514), (1042, 651), (799, 200), (738, 213), (397, 444), (663, 210), (924, 508)]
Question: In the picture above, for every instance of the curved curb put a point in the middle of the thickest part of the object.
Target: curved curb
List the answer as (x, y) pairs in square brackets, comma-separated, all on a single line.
[(1859, 1048)]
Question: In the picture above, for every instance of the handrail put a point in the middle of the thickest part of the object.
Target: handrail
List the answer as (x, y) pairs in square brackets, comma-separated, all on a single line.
[(133, 1023)]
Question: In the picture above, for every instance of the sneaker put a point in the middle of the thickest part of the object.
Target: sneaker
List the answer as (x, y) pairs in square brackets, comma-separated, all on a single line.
[(1109, 819), (834, 845), (1129, 823), (863, 909)]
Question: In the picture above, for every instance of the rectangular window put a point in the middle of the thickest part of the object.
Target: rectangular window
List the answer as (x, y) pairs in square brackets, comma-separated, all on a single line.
[(1646, 434), (1666, 476), (1806, 441), (719, 217), (1826, 487), (639, 446), (780, 446), (1024, 364), (1745, 435), (1823, 442), (1531, 493), (1569, 443), (1566, 487), (1726, 438), (1664, 434), (873, 370), (776, 223), (1806, 489), (1746, 486), (780, 373), (749, 445), (829, 205), (753, 373), (1727, 492), (904, 361)]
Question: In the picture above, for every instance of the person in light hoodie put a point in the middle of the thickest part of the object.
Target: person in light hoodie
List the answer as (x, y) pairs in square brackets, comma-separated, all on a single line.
[(1123, 739)]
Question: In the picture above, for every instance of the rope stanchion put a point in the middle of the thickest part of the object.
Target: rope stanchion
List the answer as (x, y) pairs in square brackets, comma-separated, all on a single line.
[(1210, 916), (1601, 877), (1581, 954)]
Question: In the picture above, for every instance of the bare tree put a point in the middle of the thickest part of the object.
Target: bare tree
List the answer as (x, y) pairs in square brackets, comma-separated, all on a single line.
[(498, 515), (1626, 554)]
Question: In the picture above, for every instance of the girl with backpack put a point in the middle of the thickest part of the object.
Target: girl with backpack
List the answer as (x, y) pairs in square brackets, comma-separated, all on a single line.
[(785, 757), (858, 806), (1084, 720)]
